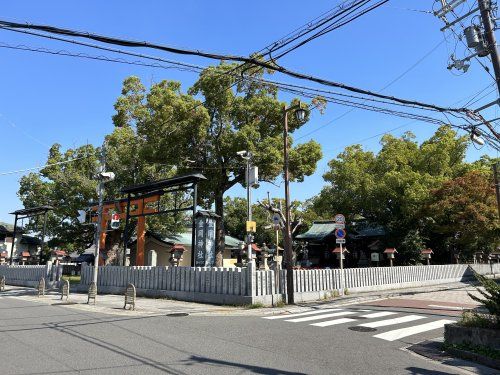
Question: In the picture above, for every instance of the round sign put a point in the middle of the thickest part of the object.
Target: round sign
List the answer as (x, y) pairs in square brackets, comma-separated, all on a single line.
[(340, 233), (276, 219), (340, 219)]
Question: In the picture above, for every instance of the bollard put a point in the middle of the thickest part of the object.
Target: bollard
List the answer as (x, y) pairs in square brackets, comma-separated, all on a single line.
[(130, 295), (92, 292), (41, 287), (65, 290), (2, 283)]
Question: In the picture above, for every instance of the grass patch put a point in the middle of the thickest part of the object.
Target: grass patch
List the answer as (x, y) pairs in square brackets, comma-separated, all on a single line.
[(280, 303), (478, 349), (257, 305), (74, 279), (474, 319)]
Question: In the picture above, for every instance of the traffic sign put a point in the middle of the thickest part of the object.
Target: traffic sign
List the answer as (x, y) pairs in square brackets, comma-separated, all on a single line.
[(339, 226), (340, 240), (340, 233), (251, 226), (339, 219), (276, 219)]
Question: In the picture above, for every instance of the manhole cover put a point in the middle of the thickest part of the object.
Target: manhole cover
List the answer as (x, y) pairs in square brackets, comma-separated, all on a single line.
[(177, 314), (362, 329)]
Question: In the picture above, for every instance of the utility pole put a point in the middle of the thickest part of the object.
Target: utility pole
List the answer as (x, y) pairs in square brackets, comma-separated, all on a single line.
[(497, 186), (489, 35), (100, 194)]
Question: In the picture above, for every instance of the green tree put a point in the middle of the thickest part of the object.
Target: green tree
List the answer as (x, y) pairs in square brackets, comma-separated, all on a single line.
[(463, 212), (391, 187), (177, 127)]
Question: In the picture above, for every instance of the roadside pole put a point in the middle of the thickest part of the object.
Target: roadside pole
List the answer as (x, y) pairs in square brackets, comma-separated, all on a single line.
[(100, 194), (341, 270), (340, 235)]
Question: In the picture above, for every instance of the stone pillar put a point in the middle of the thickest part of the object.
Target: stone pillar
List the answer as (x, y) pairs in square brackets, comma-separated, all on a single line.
[(152, 258)]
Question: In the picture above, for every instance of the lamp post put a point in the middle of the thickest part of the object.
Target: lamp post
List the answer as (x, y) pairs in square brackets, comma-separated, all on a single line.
[(300, 115)]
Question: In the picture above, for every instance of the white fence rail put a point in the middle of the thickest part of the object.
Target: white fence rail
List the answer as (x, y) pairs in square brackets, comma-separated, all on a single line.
[(220, 285), (30, 275)]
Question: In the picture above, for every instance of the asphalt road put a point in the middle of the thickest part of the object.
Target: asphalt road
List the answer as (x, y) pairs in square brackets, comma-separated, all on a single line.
[(39, 338)]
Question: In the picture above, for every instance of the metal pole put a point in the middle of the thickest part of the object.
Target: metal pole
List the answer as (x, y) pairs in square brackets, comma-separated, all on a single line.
[(13, 240), (485, 9), (497, 186), (288, 234), (249, 210), (100, 193), (43, 234), (193, 234), (125, 231), (341, 270)]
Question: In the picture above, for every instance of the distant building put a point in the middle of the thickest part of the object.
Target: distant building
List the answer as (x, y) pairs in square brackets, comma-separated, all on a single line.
[(26, 248)]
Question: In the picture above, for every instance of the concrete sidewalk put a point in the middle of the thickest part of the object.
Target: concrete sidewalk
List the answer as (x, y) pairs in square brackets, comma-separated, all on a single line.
[(113, 304)]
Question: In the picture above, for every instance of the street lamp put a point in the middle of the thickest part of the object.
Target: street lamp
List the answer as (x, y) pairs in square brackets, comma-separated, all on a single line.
[(300, 115), (251, 182)]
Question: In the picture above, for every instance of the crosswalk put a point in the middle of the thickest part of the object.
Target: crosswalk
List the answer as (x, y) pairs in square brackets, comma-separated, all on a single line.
[(367, 320)]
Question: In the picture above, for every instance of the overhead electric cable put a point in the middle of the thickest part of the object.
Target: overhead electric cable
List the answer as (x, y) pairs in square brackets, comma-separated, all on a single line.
[(43, 166), (254, 61)]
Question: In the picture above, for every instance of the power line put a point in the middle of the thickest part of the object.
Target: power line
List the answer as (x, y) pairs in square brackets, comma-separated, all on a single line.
[(251, 60), (43, 166)]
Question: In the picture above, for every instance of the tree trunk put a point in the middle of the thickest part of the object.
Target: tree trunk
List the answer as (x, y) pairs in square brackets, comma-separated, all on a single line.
[(220, 232)]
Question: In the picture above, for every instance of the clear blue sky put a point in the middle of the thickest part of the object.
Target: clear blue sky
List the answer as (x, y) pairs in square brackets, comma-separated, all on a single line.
[(46, 99)]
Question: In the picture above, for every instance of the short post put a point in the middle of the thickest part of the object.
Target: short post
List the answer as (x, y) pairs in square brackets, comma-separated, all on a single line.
[(65, 290), (426, 253), (41, 287), (130, 294), (92, 292), (2, 283)]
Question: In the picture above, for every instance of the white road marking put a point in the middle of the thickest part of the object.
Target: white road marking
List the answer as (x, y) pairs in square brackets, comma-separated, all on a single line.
[(378, 314), (458, 308), (317, 317), (300, 314), (388, 322), (404, 332), (333, 322)]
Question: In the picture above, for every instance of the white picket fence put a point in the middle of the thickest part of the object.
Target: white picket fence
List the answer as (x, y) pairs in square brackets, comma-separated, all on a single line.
[(30, 275), (225, 285)]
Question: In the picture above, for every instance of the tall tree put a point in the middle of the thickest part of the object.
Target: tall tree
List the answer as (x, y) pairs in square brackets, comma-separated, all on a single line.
[(235, 115)]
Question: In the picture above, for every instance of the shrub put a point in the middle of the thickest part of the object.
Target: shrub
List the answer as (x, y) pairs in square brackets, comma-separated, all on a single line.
[(491, 295)]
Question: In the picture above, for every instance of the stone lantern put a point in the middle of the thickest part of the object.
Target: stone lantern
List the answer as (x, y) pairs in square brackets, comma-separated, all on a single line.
[(264, 253), (176, 255), (426, 254), (390, 254)]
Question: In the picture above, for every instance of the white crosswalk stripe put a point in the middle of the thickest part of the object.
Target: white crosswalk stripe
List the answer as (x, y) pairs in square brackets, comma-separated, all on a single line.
[(409, 331), (324, 319), (324, 316), (378, 314), (333, 322), (388, 322), (300, 314)]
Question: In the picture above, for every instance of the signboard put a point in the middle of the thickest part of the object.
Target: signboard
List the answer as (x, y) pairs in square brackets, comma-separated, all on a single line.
[(340, 233), (205, 242), (340, 240), (339, 219), (251, 226), (339, 226), (375, 257)]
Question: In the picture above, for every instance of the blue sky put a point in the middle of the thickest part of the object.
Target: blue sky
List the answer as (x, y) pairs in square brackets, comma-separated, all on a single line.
[(47, 99)]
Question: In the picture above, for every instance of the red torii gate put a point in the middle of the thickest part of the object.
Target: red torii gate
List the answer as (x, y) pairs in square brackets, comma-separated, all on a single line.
[(145, 202)]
